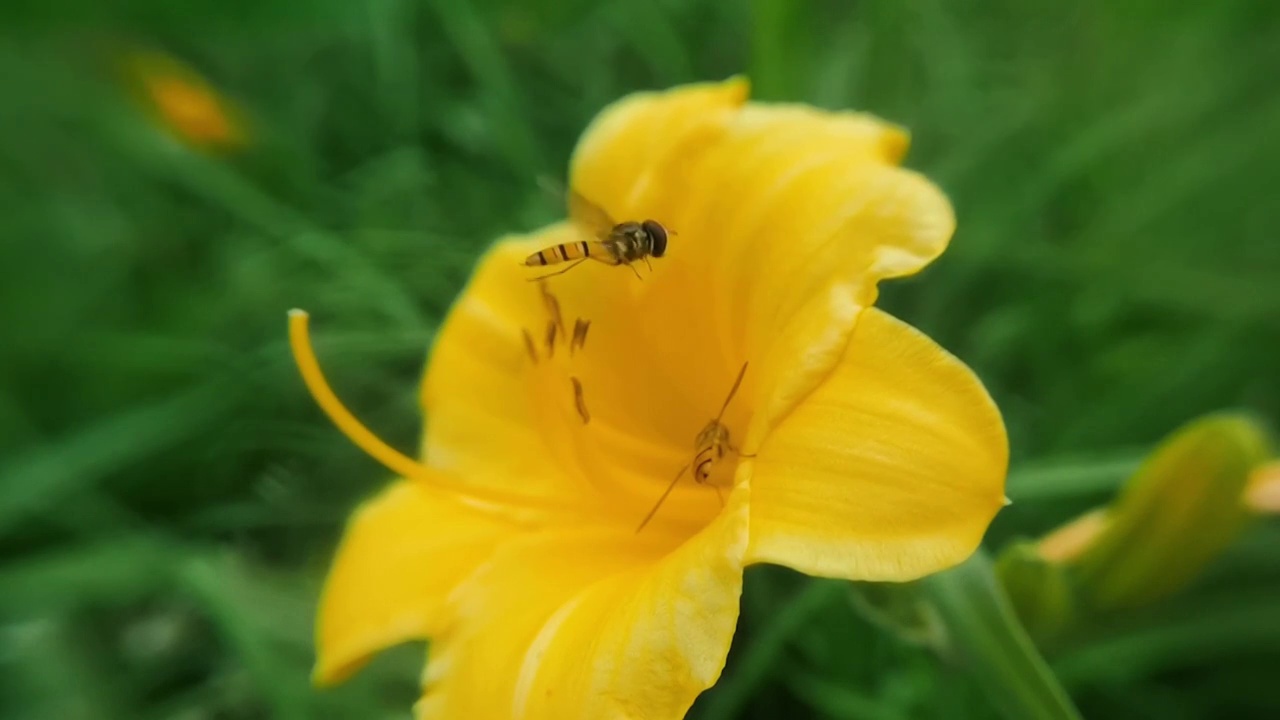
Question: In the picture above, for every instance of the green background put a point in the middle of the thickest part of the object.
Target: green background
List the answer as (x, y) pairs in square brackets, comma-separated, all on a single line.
[(170, 496)]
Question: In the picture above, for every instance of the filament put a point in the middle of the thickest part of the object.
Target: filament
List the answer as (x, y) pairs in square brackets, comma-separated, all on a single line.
[(300, 342), (363, 438)]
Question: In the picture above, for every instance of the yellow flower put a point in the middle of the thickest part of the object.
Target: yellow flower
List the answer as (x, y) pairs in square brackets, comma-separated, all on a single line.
[(183, 103), (862, 450), (1180, 510), (1262, 494), (1070, 540)]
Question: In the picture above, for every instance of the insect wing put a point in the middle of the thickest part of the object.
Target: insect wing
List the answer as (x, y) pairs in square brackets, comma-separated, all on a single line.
[(591, 218)]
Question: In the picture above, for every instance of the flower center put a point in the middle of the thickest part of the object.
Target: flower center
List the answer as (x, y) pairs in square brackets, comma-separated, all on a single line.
[(711, 448), (631, 438)]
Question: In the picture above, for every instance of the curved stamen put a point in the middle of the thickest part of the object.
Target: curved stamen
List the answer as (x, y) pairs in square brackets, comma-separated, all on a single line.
[(300, 342), (363, 438)]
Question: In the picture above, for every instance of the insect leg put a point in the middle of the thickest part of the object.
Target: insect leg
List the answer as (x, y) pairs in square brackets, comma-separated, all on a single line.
[(559, 272), (634, 270), (732, 391), (646, 262), (530, 346), (553, 307)]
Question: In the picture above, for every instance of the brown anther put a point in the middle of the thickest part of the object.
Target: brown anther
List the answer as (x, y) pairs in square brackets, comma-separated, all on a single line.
[(530, 346), (580, 401), (580, 328), (553, 307), (551, 338)]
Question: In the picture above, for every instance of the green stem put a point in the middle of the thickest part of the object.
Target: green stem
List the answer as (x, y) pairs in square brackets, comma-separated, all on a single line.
[(984, 632), (779, 48), (736, 690)]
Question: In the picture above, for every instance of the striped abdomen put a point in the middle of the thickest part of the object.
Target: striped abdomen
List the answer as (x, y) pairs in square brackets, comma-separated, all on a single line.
[(564, 252)]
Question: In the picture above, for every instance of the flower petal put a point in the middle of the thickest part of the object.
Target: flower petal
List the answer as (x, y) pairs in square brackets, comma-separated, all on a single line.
[(787, 218), (628, 145), (891, 469), (1262, 494), (582, 624), (487, 415), (1069, 541), (791, 220), (403, 553)]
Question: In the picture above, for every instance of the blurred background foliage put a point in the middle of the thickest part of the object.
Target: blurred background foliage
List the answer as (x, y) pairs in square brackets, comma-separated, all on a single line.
[(170, 497)]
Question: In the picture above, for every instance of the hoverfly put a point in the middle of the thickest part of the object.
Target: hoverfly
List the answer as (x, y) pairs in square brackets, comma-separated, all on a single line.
[(612, 243), (708, 448)]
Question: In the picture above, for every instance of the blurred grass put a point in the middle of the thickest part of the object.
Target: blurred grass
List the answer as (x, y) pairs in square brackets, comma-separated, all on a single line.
[(169, 497)]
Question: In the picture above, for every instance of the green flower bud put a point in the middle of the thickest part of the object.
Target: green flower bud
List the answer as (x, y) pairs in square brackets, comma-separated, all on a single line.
[(1037, 588), (1183, 506)]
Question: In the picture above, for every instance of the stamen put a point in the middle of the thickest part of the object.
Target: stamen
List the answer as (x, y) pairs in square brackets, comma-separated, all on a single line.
[(392, 459), (580, 401), (356, 432), (551, 338), (530, 346), (580, 328), (553, 307)]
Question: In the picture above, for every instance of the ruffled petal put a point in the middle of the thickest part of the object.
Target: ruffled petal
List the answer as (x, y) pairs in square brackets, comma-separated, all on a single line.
[(783, 219), (403, 553), (891, 469), (629, 145), (787, 224), (581, 625), (787, 217)]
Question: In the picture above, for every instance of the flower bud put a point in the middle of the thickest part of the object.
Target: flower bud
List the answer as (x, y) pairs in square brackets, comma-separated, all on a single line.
[(1182, 507)]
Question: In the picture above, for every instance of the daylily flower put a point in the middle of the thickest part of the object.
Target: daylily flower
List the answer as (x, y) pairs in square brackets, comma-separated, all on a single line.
[(1068, 541), (1184, 506), (1262, 495), (858, 448), (183, 103)]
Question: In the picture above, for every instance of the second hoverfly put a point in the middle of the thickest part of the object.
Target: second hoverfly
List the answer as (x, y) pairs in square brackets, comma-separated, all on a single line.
[(611, 243)]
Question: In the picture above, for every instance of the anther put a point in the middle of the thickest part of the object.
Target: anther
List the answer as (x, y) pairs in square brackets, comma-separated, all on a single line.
[(580, 328), (530, 346), (580, 401)]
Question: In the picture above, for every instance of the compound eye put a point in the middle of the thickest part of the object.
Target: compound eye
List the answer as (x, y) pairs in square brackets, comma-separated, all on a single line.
[(658, 234)]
